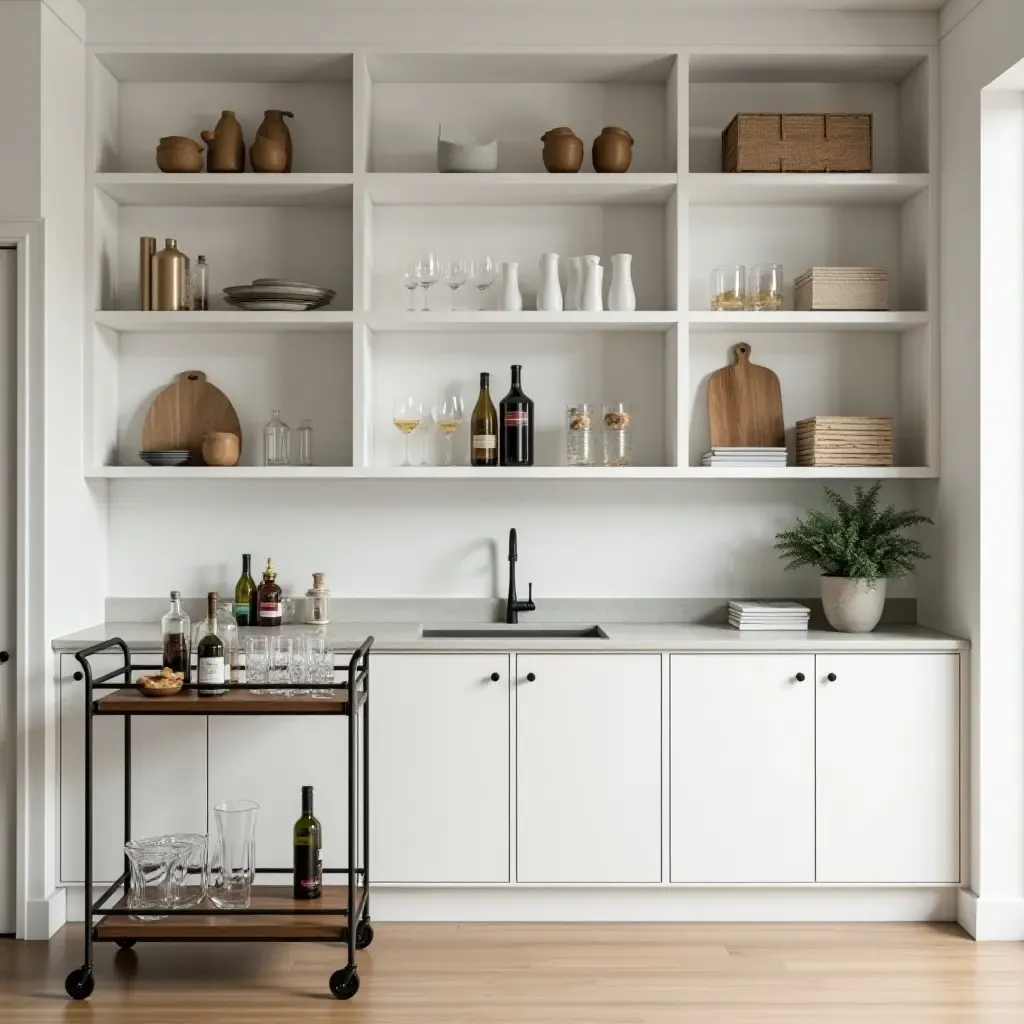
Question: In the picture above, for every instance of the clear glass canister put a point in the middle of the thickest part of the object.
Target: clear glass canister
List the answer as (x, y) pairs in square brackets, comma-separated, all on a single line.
[(579, 434), (618, 422), (318, 601), (275, 441)]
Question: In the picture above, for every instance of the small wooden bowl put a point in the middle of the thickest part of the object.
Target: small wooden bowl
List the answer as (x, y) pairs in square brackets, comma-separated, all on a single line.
[(221, 448), (163, 691)]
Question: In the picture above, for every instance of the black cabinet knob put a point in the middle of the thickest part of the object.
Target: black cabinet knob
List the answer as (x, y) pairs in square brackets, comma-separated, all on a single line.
[(800, 677), (831, 677), (4, 657), (495, 677), (78, 677), (530, 677)]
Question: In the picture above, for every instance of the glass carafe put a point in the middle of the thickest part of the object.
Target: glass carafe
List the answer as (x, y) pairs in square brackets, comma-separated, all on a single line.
[(174, 627), (276, 438), (233, 858)]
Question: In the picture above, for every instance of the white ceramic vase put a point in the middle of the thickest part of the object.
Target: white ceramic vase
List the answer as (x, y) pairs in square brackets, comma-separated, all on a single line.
[(574, 284), (511, 298), (621, 296), (549, 294), (852, 605), (593, 280)]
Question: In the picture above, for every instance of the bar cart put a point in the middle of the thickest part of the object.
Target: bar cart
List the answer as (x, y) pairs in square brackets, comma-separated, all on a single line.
[(273, 915)]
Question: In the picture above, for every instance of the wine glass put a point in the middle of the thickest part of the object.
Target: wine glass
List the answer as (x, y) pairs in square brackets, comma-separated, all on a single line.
[(406, 416), (482, 274), (429, 416), (428, 272), (455, 277), (411, 283), (449, 412)]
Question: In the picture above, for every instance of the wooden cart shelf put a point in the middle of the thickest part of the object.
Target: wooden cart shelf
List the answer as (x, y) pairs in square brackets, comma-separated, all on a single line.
[(130, 701)]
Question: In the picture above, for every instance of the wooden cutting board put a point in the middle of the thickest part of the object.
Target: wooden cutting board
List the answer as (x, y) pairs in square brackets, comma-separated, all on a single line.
[(745, 405), (182, 414)]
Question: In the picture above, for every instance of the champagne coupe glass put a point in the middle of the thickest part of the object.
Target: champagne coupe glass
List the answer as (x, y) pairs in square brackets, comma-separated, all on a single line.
[(449, 412), (482, 273), (406, 416), (455, 275), (429, 415), (428, 272), (411, 283)]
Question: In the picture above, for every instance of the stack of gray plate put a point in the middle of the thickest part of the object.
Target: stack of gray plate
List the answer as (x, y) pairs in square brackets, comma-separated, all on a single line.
[(273, 294), (171, 457)]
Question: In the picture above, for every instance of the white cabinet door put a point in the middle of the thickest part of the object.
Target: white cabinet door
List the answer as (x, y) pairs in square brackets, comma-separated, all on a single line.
[(439, 767), (168, 775), (888, 764), (742, 767), (588, 767)]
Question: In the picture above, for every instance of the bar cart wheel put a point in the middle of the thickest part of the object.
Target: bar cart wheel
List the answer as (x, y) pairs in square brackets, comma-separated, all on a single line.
[(344, 983), (80, 983), (364, 935), (124, 943)]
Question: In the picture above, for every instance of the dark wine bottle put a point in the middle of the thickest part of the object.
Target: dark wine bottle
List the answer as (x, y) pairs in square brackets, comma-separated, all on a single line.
[(483, 440), (307, 873), (210, 653), (268, 599), (245, 595), (516, 424)]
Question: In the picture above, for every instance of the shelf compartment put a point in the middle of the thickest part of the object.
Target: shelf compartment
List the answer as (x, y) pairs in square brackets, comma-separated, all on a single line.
[(719, 189), (798, 321), (583, 189), (235, 702), (202, 189), (288, 920), (472, 321), (218, 321)]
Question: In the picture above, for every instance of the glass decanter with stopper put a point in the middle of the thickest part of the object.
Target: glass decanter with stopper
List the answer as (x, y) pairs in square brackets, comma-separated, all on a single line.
[(276, 439), (174, 629), (268, 598)]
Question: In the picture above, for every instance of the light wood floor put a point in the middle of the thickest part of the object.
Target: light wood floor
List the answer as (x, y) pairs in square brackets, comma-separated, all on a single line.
[(540, 974)]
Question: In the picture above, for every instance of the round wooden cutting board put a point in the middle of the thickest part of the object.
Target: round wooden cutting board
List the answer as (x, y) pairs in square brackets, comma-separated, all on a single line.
[(184, 413)]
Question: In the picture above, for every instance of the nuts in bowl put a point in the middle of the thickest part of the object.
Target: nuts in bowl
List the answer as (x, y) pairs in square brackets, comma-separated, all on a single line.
[(166, 684)]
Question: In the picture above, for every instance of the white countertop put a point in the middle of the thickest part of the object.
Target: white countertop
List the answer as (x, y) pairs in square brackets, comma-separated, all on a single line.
[(407, 636)]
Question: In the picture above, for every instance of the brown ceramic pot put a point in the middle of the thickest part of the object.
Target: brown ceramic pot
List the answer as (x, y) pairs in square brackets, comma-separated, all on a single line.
[(177, 154), (275, 129), (613, 150), (225, 151), (268, 156), (563, 151), (221, 449)]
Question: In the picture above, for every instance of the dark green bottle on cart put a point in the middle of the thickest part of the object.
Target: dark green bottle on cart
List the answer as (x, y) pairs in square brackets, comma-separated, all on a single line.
[(307, 874)]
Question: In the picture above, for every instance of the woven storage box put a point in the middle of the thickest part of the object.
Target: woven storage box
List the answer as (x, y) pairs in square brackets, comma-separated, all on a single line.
[(797, 142), (856, 288), (844, 441)]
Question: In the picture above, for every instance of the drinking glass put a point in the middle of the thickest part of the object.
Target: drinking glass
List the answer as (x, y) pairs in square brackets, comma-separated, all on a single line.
[(482, 273), (323, 661), (411, 283), (233, 861), (406, 416), (618, 421), (728, 288), (455, 277), (304, 435), (280, 666), (151, 862), (313, 651), (449, 412), (579, 434), (428, 273), (427, 422), (257, 662), (764, 288), (188, 873)]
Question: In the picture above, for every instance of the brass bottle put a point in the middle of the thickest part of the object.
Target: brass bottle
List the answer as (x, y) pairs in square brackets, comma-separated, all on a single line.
[(170, 278)]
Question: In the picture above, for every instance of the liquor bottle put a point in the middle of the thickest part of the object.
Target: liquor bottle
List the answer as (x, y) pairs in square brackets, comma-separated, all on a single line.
[(245, 595), (268, 598), (201, 285), (210, 652), (516, 424), (307, 873), (484, 427), (174, 628)]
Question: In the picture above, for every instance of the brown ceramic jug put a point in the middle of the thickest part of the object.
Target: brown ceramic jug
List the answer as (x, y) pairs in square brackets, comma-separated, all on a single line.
[(177, 154), (268, 156), (612, 150), (275, 129), (225, 145), (563, 151)]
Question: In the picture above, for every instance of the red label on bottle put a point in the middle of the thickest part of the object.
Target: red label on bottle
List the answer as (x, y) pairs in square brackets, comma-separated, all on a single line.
[(270, 610), (517, 418)]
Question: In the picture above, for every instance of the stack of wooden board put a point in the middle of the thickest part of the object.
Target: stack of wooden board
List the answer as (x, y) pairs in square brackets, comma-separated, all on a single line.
[(844, 441)]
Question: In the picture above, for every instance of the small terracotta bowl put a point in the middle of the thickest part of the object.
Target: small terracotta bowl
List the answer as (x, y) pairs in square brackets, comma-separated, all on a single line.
[(221, 449)]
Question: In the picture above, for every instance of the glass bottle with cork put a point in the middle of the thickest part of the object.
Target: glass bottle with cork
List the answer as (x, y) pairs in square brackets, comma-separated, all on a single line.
[(174, 629), (268, 598), (211, 651), (318, 601)]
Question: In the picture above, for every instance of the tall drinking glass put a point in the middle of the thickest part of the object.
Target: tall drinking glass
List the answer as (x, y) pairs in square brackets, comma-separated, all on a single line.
[(233, 861), (281, 653), (257, 662)]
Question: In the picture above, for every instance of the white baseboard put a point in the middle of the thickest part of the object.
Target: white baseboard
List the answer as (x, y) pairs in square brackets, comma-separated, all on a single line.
[(990, 920), (44, 918)]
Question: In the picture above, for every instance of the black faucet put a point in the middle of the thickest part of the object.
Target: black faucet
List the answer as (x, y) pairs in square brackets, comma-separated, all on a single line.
[(513, 606)]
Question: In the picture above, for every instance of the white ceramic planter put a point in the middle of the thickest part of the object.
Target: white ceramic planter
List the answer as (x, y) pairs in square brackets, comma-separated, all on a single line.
[(621, 296), (852, 605)]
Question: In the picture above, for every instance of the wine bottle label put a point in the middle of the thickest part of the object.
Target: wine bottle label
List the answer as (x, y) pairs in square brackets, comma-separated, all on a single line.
[(517, 418), (270, 610), (308, 873), (487, 442), (211, 671)]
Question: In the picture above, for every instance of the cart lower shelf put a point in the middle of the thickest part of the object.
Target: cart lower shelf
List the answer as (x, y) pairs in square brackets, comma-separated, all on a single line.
[(289, 919)]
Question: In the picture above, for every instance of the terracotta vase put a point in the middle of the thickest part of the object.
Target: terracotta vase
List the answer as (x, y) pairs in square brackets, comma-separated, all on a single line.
[(563, 151), (268, 156), (275, 129), (221, 449), (612, 151), (225, 151), (177, 154)]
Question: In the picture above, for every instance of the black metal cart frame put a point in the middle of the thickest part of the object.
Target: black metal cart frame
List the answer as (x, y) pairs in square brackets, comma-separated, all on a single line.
[(344, 983)]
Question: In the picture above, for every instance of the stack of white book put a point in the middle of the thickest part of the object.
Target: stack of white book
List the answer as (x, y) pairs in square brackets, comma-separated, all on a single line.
[(745, 457), (768, 615)]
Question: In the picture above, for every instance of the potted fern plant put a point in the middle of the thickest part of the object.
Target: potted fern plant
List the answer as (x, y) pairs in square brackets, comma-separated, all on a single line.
[(857, 547)]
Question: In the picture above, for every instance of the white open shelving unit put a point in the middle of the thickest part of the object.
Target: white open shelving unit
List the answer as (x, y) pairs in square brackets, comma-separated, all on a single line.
[(364, 198)]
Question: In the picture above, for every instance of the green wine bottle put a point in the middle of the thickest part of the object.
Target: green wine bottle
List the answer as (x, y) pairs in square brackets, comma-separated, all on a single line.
[(245, 595), (307, 874)]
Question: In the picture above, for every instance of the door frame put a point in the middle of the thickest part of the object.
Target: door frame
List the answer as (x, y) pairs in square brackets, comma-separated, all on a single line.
[(27, 237)]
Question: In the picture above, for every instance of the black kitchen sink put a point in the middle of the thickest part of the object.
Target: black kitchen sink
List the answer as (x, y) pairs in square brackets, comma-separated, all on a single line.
[(501, 632)]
